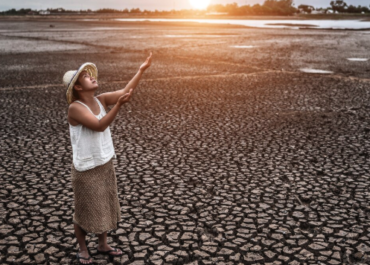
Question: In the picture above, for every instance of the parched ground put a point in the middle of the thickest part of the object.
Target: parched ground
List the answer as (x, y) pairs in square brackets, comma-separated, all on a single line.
[(224, 155)]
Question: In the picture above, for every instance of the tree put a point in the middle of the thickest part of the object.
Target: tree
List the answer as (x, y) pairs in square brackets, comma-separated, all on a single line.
[(135, 10), (270, 7), (338, 5), (279, 7)]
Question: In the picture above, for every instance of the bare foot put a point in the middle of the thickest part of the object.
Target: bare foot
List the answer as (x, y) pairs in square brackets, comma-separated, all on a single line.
[(84, 254), (107, 248)]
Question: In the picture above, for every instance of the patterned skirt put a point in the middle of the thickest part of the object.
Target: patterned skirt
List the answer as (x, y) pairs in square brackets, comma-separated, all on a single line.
[(97, 209)]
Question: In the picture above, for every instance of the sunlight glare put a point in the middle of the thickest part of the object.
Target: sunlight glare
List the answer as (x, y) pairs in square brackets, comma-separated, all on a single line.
[(200, 4)]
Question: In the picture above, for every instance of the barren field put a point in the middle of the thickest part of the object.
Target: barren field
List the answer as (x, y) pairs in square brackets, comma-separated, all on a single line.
[(226, 154)]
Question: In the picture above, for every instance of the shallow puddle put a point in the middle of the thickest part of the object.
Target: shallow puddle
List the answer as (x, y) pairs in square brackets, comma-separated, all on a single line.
[(292, 25), (243, 46), (357, 59), (107, 28), (192, 36), (315, 71), (268, 23)]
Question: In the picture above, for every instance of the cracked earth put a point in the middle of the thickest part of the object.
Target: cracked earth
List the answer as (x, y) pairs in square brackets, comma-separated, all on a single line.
[(224, 155)]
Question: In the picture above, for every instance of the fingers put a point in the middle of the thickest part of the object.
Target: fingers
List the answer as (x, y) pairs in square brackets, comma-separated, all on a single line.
[(128, 93), (126, 96)]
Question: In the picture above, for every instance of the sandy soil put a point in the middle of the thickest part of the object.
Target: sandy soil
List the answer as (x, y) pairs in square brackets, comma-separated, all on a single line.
[(224, 155)]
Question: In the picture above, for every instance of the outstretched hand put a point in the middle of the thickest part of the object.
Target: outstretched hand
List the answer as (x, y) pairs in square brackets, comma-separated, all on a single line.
[(126, 97), (147, 63)]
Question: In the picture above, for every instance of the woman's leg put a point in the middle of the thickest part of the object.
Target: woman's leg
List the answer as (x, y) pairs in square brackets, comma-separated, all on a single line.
[(81, 235), (103, 245)]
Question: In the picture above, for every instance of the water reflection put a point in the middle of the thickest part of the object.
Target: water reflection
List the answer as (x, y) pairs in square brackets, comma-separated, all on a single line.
[(192, 36), (295, 24), (243, 46), (315, 71), (357, 59)]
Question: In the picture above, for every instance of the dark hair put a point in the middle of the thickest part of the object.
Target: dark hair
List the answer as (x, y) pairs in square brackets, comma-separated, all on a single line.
[(74, 92)]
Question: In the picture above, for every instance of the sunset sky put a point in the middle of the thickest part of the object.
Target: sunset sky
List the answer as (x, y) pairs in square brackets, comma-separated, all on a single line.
[(144, 4)]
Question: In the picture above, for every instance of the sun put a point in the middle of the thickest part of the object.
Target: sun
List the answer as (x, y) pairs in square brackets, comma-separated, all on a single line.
[(200, 4)]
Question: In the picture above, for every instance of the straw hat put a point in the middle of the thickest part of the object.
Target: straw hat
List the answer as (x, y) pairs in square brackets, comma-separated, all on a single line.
[(70, 78)]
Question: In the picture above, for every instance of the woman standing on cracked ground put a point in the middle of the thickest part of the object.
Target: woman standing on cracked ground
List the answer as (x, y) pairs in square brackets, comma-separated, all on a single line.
[(94, 183)]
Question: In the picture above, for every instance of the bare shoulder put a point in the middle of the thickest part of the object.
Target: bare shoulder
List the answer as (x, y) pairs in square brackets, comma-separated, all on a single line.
[(74, 109), (74, 106)]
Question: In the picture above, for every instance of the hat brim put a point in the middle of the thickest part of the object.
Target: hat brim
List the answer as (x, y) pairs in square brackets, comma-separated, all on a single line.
[(90, 68)]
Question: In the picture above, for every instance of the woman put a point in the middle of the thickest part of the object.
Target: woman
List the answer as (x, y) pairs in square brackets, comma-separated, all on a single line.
[(94, 183)]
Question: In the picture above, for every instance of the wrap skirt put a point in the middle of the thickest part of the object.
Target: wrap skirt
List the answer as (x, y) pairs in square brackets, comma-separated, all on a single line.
[(96, 204)]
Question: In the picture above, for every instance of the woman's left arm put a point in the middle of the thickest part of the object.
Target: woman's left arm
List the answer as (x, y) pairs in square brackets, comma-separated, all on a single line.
[(110, 98)]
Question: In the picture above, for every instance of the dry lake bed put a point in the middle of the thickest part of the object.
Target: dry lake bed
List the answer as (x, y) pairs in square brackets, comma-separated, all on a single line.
[(239, 146)]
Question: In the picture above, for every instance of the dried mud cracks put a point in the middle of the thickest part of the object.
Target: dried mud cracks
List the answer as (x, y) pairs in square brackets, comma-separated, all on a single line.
[(263, 168)]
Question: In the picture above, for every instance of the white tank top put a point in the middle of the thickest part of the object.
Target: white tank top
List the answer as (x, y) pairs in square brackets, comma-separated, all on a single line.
[(91, 148)]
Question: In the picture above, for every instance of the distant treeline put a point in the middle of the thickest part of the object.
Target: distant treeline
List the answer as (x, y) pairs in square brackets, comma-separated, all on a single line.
[(358, 9), (28, 11), (341, 7), (23, 11), (269, 7)]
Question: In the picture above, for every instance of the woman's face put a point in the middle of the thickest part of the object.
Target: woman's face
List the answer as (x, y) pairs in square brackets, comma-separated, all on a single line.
[(87, 82)]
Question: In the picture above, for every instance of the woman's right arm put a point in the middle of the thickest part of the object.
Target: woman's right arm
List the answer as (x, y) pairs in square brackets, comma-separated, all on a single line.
[(83, 116)]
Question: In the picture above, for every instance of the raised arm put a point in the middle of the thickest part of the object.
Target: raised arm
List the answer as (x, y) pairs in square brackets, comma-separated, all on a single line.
[(110, 98), (81, 115)]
